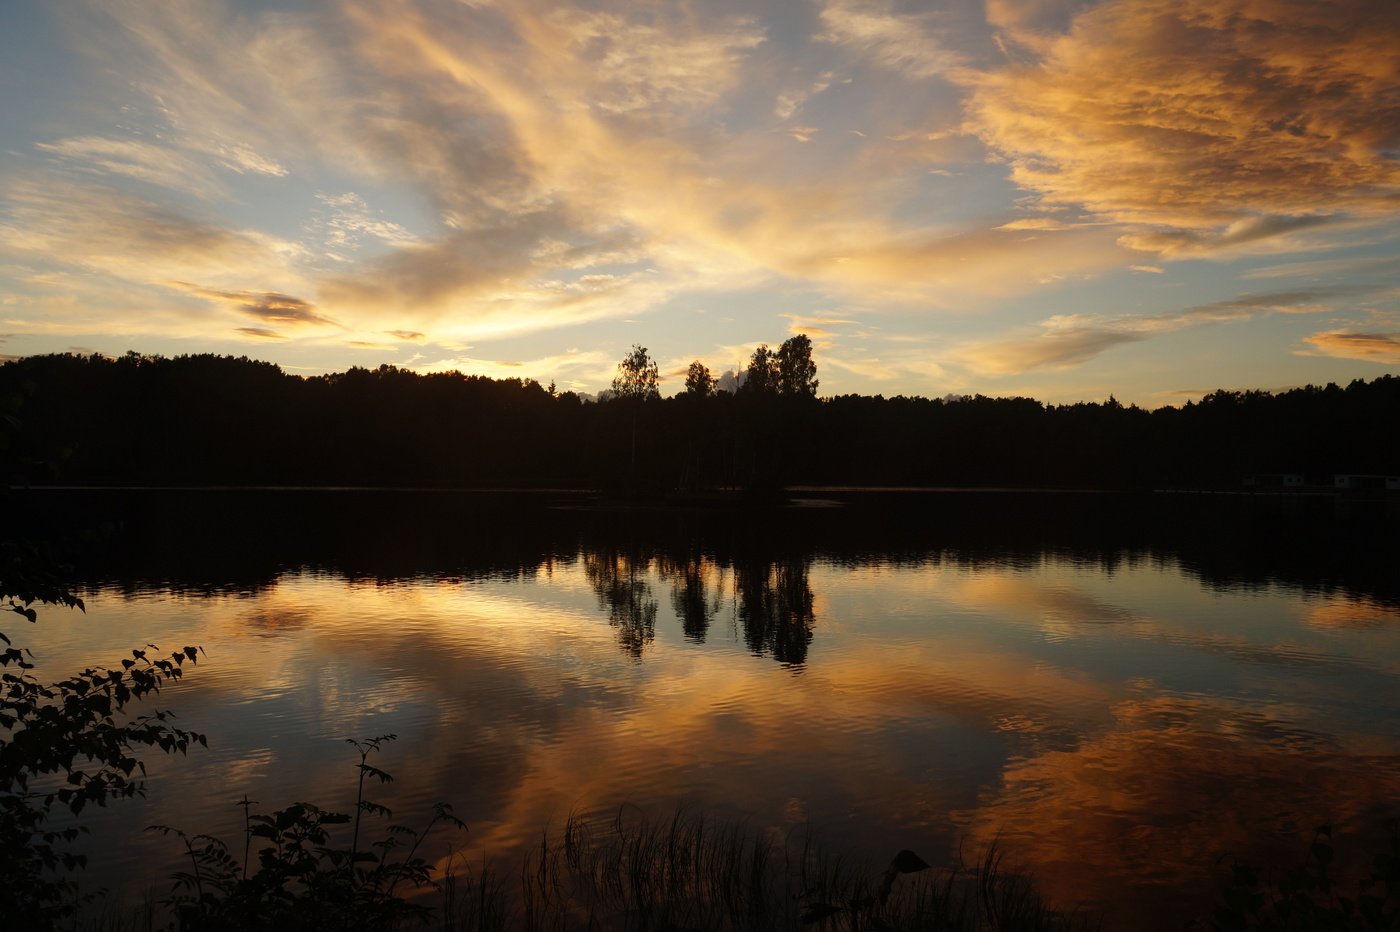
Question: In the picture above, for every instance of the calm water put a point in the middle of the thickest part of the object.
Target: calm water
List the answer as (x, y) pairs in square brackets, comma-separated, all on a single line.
[(1119, 692)]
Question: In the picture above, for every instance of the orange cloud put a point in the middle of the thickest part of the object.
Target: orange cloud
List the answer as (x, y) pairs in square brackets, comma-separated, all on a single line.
[(1212, 123), (1346, 344)]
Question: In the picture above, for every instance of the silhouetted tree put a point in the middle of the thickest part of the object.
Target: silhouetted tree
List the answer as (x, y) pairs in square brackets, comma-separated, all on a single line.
[(698, 381), (637, 381), (797, 373), (637, 376), (761, 376)]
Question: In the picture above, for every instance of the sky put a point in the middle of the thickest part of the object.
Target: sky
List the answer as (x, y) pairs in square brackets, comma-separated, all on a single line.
[(1146, 198)]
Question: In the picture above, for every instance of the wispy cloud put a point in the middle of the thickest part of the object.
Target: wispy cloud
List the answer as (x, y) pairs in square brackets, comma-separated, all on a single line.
[(1312, 268), (345, 221), (98, 228), (259, 333), (139, 159), (1347, 344), (789, 102), (817, 326), (901, 42), (1066, 341), (268, 306), (1035, 223), (1058, 347)]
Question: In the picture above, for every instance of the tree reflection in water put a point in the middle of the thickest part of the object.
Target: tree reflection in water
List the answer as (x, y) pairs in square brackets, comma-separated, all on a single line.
[(690, 592), (772, 599), (775, 607), (620, 581)]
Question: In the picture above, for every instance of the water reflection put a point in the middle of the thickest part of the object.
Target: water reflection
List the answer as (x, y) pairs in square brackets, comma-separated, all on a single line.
[(697, 587), (618, 579), (772, 599), (1169, 786), (1116, 717), (775, 607)]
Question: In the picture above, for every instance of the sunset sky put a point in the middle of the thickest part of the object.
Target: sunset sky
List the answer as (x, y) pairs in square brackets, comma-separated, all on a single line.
[(1150, 198)]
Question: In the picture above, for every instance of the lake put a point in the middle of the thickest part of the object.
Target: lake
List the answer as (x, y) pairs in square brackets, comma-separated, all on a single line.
[(1117, 689)]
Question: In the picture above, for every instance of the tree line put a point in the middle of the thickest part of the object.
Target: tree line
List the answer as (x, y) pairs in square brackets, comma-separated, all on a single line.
[(209, 419)]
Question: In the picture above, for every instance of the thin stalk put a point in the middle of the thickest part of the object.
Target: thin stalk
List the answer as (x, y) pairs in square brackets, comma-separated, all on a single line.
[(359, 811), (247, 805)]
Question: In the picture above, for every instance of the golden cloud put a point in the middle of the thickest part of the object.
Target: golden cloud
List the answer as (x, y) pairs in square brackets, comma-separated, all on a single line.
[(269, 306), (260, 333), (1346, 344), (1210, 122)]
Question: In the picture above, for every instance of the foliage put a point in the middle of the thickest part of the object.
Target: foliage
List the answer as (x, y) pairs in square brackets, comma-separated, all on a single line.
[(637, 376), (699, 383), (797, 373), (1310, 897), (789, 370), (761, 375), (301, 881), (66, 745), (63, 745)]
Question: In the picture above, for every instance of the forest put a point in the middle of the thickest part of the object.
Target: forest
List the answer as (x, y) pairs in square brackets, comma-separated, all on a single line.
[(220, 420)]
